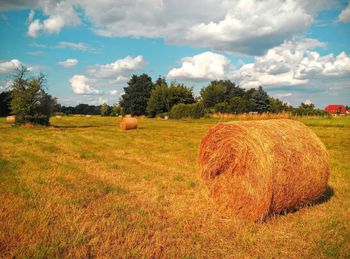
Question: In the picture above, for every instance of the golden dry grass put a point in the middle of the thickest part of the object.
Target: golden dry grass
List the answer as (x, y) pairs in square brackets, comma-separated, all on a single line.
[(252, 116), (85, 188)]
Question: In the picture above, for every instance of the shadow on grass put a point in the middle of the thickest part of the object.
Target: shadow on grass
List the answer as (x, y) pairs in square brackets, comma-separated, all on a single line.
[(79, 126), (325, 197), (63, 127)]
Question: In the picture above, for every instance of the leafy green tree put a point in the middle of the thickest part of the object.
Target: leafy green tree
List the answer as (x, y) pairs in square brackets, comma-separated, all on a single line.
[(116, 110), (163, 98), (29, 102), (161, 81), (48, 104), (222, 107), (213, 94), (5, 100), (220, 91), (277, 105), (179, 93), (159, 101), (104, 109), (308, 109), (239, 105), (137, 93), (260, 101)]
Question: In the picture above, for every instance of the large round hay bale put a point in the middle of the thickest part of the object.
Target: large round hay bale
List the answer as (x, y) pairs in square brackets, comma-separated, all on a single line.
[(128, 123), (11, 119), (257, 168)]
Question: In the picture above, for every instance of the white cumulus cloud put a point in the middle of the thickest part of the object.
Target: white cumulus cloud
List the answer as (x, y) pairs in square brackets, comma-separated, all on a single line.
[(252, 26), (292, 63), (202, 67), (80, 85), (239, 26), (102, 75), (68, 63), (113, 92), (34, 28), (344, 16), (9, 66), (59, 15), (118, 69)]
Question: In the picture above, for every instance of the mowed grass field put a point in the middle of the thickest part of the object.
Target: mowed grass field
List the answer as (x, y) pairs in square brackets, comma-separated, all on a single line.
[(84, 188)]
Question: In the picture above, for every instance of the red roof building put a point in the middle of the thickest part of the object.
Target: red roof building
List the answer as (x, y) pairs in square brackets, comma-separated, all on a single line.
[(336, 109)]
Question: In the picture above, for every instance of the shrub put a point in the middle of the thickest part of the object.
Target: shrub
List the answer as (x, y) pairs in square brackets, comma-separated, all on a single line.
[(222, 107), (37, 119), (195, 111)]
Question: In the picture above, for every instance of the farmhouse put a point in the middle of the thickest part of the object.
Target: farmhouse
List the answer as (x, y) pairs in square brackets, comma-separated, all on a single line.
[(336, 109)]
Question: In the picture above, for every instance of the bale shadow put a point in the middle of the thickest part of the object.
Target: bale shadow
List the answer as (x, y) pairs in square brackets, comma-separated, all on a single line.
[(325, 197)]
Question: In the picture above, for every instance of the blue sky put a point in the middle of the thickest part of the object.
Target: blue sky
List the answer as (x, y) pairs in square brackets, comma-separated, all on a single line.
[(297, 50)]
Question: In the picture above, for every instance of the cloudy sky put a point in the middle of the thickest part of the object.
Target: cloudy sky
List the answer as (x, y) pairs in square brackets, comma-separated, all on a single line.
[(296, 49)]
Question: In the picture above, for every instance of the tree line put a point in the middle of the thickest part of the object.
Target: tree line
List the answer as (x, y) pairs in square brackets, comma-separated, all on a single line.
[(28, 100), (143, 97)]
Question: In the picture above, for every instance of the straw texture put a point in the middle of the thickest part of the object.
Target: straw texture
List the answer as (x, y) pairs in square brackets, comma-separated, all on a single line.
[(11, 119), (128, 123), (257, 168)]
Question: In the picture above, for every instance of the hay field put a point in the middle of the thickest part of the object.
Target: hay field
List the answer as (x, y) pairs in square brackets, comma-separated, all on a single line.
[(87, 189)]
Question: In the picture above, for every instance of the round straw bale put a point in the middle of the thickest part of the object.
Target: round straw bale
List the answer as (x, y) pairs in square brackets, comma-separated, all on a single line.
[(128, 123), (257, 168), (88, 116), (11, 119), (58, 117)]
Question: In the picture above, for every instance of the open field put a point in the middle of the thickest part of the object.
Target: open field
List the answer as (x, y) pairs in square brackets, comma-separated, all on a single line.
[(85, 188)]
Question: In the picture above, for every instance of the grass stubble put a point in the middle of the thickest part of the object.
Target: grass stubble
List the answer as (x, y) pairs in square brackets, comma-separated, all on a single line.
[(86, 188)]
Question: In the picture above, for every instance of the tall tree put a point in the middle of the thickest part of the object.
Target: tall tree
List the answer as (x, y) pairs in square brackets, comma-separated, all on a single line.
[(28, 98), (163, 98), (239, 105), (161, 81), (277, 105), (134, 100), (260, 101), (48, 104), (213, 94), (220, 91), (5, 100), (104, 109), (179, 93), (159, 100)]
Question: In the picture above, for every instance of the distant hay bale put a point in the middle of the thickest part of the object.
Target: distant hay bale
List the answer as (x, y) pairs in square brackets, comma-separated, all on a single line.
[(128, 123), (128, 116), (58, 117), (11, 119), (257, 168), (166, 117), (88, 116)]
